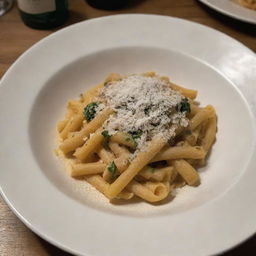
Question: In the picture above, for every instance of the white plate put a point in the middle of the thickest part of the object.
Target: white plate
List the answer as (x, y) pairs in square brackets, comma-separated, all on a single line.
[(200, 221), (233, 9)]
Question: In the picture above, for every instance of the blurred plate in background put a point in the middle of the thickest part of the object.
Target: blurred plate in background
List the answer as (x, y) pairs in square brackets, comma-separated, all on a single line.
[(233, 9)]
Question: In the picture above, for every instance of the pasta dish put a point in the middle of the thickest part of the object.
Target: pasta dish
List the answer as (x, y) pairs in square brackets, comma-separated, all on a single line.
[(251, 4), (139, 135)]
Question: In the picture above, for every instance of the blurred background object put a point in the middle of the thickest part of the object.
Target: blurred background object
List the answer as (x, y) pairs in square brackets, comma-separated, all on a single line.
[(251, 4), (5, 5), (107, 4), (43, 14)]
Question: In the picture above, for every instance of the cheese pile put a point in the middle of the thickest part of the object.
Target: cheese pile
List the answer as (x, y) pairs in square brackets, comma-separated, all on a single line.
[(144, 105)]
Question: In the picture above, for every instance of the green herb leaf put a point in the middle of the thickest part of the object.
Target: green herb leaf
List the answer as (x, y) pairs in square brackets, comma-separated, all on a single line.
[(90, 111), (130, 138), (152, 170), (105, 134), (184, 106), (112, 169), (136, 134)]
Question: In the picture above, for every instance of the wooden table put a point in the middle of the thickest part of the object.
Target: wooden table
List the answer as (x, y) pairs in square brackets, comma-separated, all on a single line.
[(15, 38)]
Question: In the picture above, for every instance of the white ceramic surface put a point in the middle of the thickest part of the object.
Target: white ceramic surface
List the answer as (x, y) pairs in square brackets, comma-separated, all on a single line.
[(68, 213), (233, 9)]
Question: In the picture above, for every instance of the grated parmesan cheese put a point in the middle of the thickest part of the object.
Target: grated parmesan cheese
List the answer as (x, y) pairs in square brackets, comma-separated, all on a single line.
[(145, 104)]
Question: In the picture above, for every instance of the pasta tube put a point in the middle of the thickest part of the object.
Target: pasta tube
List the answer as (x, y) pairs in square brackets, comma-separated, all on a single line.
[(180, 152), (123, 139), (143, 158), (201, 116), (157, 174), (82, 169), (149, 193), (78, 139), (187, 172), (90, 145)]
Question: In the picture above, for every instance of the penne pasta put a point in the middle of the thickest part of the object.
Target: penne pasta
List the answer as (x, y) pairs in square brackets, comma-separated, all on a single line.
[(209, 137), (184, 91), (210, 134), (88, 96), (150, 74), (126, 195), (72, 125), (101, 185), (251, 4), (136, 165), (194, 109), (123, 139), (118, 150), (192, 136), (61, 125), (137, 136), (151, 194), (82, 169), (112, 77), (187, 172), (75, 106), (157, 174), (201, 116), (76, 141), (158, 188), (90, 146), (179, 182), (180, 152), (122, 163), (105, 155)]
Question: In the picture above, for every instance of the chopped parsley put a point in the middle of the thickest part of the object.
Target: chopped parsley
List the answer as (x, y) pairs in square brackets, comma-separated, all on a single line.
[(106, 136), (130, 138), (184, 106), (112, 169), (136, 134), (152, 170), (90, 111)]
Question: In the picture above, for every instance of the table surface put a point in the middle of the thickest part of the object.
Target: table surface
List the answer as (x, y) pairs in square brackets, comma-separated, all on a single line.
[(15, 238)]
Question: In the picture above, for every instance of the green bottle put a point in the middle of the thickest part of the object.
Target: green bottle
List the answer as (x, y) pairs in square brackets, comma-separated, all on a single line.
[(43, 14)]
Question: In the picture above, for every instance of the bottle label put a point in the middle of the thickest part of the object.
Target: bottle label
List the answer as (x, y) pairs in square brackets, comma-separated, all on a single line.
[(36, 6)]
